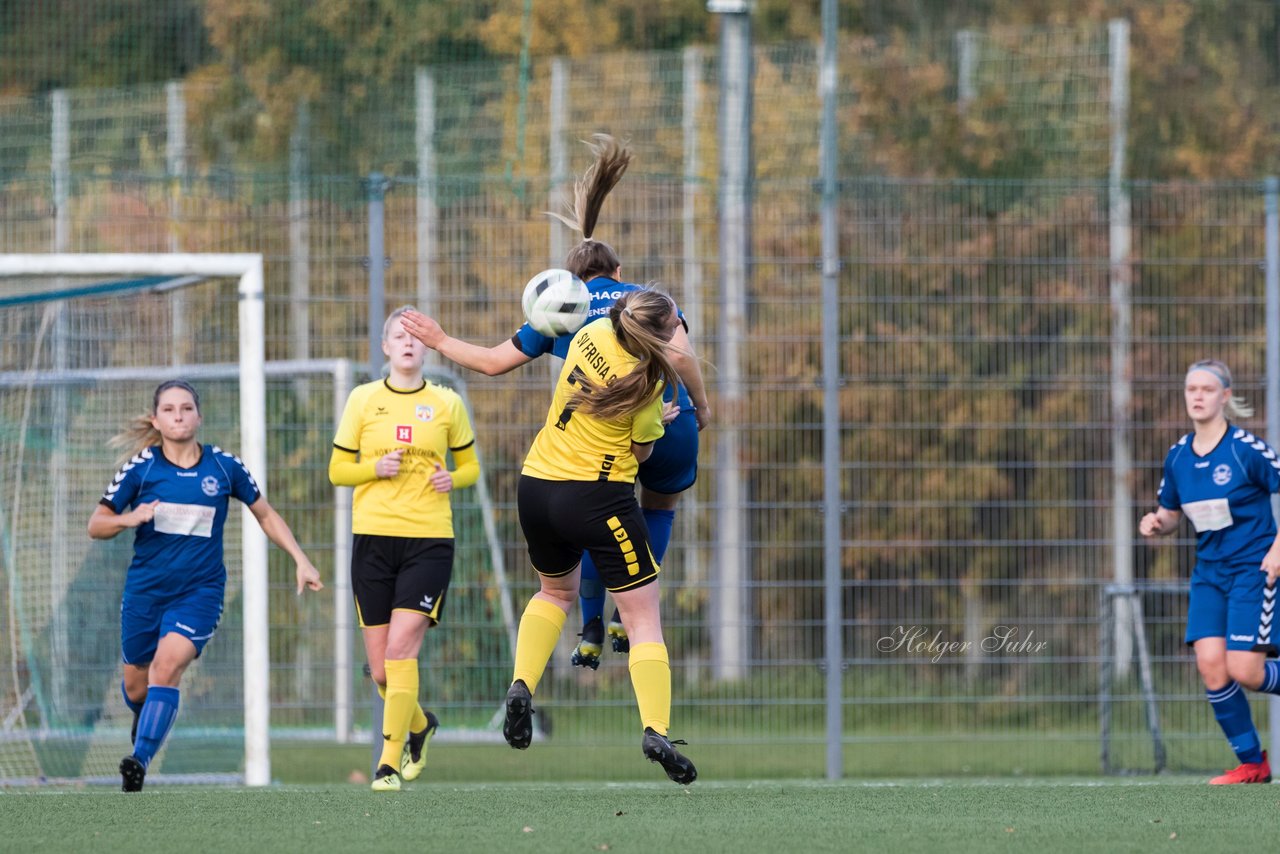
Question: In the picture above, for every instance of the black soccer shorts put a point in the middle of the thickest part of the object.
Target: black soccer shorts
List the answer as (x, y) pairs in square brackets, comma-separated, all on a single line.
[(561, 519), (400, 574)]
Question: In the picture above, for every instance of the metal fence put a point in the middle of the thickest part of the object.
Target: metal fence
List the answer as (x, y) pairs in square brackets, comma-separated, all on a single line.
[(979, 435)]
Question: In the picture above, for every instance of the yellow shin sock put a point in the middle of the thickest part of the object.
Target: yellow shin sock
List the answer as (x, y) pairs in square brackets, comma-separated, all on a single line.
[(397, 712), (540, 628), (651, 680)]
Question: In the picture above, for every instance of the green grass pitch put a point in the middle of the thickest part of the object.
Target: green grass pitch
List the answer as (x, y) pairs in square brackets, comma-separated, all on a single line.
[(959, 815)]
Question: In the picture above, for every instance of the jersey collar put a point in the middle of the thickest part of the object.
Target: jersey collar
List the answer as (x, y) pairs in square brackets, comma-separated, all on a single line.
[(386, 381)]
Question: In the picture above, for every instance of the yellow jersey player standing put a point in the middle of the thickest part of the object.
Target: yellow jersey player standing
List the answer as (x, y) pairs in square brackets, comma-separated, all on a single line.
[(577, 494), (391, 446)]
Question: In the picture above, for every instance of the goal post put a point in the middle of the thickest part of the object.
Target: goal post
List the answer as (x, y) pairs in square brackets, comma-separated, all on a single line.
[(79, 354), (247, 269)]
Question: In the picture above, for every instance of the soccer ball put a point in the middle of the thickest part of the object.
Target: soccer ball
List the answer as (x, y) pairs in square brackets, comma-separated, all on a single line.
[(556, 302)]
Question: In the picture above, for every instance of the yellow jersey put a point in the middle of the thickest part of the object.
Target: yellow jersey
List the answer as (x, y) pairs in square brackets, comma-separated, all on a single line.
[(579, 446), (426, 423)]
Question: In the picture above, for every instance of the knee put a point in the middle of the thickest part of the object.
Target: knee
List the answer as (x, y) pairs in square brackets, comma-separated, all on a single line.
[(378, 673), (135, 685), (1247, 673), (562, 597), (1213, 672), (163, 674)]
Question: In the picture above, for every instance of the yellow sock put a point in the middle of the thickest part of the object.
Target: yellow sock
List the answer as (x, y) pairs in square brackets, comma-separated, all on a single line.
[(419, 722), (540, 627), (397, 712), (651, 680)]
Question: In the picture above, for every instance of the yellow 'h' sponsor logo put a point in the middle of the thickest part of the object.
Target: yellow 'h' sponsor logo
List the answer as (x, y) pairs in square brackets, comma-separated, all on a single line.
[(624, 543)]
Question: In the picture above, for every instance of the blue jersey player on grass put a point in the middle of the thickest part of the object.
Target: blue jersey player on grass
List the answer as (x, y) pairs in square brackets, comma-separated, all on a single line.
[(1221, 477), (174, 492), (673, 467)]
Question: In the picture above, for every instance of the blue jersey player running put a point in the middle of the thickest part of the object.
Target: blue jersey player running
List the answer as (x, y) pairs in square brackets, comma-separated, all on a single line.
[(673, 467), (174, 491), (1221, 477)]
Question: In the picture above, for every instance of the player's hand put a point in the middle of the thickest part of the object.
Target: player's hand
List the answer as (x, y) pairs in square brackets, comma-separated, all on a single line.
[(703, 416), (142, 514), (307, 576), (441, 480), (670, 410), (1271, 565), (424, 328), (1150, 525), (389, 466)]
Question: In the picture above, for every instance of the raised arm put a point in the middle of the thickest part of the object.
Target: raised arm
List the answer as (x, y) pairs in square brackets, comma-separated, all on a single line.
[(490, 361)]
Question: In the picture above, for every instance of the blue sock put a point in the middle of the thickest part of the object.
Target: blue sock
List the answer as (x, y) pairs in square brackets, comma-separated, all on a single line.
[(157, 717), (1270, 677), (1231, 708), (590, 591), (133, 707), (659, 523)]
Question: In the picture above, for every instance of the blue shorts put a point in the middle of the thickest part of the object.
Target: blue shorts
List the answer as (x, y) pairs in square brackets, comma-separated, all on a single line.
[(144, 620), (673, 465), (1227, 601)]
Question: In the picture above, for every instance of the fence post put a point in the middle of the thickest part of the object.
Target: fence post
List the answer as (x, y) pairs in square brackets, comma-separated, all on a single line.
[(428, 208), (300, 236), (558, 157), (343, 608), (1272, 193), (832, 505), (731, 606), (377, 261), (966, 69), (175, 158), (58, 558), (1121, 344)]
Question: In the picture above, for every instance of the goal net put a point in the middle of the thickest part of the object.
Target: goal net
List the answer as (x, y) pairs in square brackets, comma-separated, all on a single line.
[(81, 337)]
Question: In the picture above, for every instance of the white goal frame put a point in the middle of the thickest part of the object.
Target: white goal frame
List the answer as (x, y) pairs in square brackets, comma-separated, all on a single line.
[(247, 269)]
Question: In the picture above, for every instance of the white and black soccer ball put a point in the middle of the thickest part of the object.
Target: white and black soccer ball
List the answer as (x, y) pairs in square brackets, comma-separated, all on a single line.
[(556, 302)]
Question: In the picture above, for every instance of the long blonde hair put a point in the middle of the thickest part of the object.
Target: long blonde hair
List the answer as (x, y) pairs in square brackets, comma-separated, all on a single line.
[(639, 320), (140, 433), (591, 257)]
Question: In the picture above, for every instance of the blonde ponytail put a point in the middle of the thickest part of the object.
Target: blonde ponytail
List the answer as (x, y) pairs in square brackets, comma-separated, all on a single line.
[(592, 257), (136, 437), (639, 318)]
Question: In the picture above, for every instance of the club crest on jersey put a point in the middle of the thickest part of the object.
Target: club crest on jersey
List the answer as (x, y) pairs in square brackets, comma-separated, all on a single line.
[(404, 433), (210, 486), (1222, 475), (424, 412)]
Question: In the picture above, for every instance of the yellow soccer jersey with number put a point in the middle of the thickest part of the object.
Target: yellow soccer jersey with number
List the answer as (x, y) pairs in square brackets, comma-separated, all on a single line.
[(427, 423), (577, 445)]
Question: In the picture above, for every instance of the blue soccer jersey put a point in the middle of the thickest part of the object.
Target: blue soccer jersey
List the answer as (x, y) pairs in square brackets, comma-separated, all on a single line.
[(604, 293), (1226, 494), (180, 549)]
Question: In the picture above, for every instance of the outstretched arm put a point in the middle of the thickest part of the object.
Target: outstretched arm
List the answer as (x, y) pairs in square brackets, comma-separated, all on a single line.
[(277, 531), (490, 361)]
